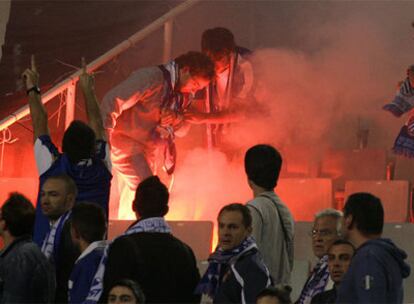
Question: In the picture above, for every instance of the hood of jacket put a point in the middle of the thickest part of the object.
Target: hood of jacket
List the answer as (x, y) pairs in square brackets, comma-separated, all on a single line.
[(384, 248)]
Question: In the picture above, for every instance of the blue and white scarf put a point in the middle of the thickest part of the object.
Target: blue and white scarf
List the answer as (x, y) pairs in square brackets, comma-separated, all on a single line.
[(153, 224), (316, 282), (52, 240), (174, 102), (404, 143), (403, 101), (210, 282)]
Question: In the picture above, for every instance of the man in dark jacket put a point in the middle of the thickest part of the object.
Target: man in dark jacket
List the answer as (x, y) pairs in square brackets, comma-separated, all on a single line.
[(149, 254), (378, 268), (25, 274), (339, 258), (236, 271)]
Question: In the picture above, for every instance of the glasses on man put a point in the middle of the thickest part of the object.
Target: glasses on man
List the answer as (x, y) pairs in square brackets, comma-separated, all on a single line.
[(321, 233)]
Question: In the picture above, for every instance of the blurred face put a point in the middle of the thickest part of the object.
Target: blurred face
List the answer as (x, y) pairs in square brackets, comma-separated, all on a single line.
[(232, 231), (324, 233), (190, 84), (222, 64), (121, 294), (268, 300), (339, 258), (54, 199)]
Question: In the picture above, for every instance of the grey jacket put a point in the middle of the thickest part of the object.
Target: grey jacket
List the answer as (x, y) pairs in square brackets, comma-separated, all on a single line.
[(25, 274), (269, 234)]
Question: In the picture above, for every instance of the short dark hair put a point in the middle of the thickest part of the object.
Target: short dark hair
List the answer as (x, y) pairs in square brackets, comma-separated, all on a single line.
[(262, 164), (199, 64), (88, 219), (69, 183), (245, 212), (367, 212), (218, 42), (78, 141), (19, 215), (133, 286), (151, 198), (342, 242), (281, 292)]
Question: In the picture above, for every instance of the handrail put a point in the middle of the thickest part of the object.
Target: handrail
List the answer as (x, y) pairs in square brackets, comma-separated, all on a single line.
[(121, 47)]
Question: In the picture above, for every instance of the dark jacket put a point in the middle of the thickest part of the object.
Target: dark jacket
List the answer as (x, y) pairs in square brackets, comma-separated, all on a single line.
[(325, 297), (164, 267), (66, 258), (252, 271), (25, 274), (375, 274)]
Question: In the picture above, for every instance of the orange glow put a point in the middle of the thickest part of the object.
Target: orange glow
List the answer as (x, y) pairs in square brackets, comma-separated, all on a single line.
[(25, 186)]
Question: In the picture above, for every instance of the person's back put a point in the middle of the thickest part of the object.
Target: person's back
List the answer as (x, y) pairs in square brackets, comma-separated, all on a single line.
[(149, 254), (382, 267), (25, 274), (378, 268), (271, 222), (85, 152), (164, 266), (273, 225), (92, 178), (88, 229)]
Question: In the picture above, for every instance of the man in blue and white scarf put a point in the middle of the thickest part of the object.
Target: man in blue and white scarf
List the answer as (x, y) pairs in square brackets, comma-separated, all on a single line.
[(326, 230), (149, 254), (236, 271), (57, 198)]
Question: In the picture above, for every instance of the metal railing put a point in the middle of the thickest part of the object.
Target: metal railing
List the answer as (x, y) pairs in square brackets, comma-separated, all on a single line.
[(69, 84)]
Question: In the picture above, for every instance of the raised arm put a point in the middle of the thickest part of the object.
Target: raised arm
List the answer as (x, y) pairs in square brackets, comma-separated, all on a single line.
[(37, 110), (87, 85)]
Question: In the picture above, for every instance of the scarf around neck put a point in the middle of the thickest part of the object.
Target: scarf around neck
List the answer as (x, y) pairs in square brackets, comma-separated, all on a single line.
[(153, 224), (316, 282), (210, 282), (52, 239)]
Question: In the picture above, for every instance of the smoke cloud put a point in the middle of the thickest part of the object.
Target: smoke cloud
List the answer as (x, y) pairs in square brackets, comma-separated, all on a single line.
[(329, 78)]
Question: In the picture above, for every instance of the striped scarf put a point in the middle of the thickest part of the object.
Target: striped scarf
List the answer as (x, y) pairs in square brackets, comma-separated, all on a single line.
[(210, 282), (404, 143), (153, 224), (316, 282), (403, 101), (52, 240)]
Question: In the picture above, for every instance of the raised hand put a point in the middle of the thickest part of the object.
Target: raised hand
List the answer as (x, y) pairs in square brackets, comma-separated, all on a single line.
[(31, 76), (86, 80)]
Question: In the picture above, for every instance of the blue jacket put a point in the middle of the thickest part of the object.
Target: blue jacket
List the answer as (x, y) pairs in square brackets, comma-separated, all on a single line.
[(93, 181), (84, 271), (375, 274)]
